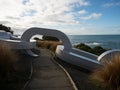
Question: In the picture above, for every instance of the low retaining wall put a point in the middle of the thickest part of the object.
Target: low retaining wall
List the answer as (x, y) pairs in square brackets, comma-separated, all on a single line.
[(77, 59)]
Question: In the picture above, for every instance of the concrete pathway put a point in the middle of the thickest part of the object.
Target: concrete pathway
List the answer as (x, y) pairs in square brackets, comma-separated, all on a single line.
[(48, 75)]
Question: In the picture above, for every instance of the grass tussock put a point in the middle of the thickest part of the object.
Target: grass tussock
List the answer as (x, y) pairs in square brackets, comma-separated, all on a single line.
[(108, 76), (8, 61), (15, 68), (51, 45)]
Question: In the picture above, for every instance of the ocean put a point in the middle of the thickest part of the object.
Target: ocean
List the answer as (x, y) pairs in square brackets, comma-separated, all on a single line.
[(106, 41)]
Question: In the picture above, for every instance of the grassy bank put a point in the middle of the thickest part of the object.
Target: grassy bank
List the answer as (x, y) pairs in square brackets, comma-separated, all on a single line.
[(51, 45), (14, 70)]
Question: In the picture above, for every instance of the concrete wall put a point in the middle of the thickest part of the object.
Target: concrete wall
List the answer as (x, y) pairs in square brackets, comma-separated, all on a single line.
[(108, 55), (48, 32), (77, 58)]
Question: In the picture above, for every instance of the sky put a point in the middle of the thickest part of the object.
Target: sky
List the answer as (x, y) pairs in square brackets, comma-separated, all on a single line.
[(73, 17)]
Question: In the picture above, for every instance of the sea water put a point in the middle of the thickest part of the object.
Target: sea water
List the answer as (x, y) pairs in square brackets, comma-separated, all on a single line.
[(106, 41)]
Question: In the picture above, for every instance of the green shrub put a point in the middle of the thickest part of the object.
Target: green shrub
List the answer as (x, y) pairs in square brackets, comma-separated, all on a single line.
[(36, 38), (5, 28), (96, 50), (84, 47), (50, 38)]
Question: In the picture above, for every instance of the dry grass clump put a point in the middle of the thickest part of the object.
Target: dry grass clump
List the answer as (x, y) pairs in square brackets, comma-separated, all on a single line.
[(108, 76), (8, 61), (51, 45)]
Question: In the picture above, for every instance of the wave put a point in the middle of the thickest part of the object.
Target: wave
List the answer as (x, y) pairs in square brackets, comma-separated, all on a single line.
[(90, 44), (93, 44)]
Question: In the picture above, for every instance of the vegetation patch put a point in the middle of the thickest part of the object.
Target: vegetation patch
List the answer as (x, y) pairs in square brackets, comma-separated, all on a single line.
[(108, 76), (96, 50), (13, 74), (49, 38), (51, 45), (5, 28), (48, 42)]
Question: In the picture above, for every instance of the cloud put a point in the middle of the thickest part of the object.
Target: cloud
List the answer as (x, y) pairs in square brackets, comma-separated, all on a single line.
[(10, 8), (92, 16), (80, 31), (56, 11), (23, 14), (46, 12), (12, 17), (111, 4), (82, 12), (4, 22)]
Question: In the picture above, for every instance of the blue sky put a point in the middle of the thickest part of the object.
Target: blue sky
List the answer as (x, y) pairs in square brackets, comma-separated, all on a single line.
[(70, 16)]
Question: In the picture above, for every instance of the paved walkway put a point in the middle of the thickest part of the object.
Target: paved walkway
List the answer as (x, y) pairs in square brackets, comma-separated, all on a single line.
[(48, 75)]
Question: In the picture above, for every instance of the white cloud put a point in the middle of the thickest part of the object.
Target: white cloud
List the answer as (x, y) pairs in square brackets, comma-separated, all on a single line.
[(4, 22), (24, 13), (80, 31), (111, 4), (82, 12), (10, 8), (92, 16)]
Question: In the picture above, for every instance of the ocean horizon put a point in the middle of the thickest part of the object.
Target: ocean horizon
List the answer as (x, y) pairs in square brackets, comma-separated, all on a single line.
[(106, 41)]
